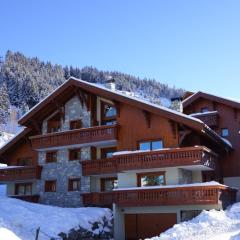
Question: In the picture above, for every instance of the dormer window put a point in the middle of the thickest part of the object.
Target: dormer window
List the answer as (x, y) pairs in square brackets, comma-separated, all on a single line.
[(108, 113), (204, 109)]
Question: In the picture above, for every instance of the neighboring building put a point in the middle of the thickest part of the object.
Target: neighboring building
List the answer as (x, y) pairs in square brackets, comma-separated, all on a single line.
[(86, 145)]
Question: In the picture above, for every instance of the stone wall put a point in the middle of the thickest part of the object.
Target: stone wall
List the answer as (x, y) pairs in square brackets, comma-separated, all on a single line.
[(64, 169)]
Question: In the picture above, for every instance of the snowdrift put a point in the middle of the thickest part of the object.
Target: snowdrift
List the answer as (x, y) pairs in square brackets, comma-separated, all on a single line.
[(210, 225), (19, 220)]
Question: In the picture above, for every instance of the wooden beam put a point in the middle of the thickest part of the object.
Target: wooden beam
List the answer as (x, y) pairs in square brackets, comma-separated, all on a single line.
[(117, 106), (36, 126), (147, 116)]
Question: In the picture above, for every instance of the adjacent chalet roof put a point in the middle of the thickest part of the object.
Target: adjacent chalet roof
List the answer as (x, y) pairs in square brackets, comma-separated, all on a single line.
[(15, 140), (68, 90), (227, 101)]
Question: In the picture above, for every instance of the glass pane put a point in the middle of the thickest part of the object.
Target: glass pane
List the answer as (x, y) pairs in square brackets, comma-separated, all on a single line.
[(152, 180), (110, 111), (109, 154), (75, 185), (110, 184), (21, 189), (115, 183), (28, 190), (157, 145), (224, 132), (205, 109), (145, 146), (108, 123)]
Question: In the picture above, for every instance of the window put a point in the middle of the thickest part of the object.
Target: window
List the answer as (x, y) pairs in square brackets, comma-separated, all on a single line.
[(50, 186), (24, 162), (75, 154), (54, 123), (107, 152), (23, 189), (151, 145), (51, 157), (74, 184), (151, 179), (108, 114), (76, 124), (204, 109), (224, 132), (108, 184)]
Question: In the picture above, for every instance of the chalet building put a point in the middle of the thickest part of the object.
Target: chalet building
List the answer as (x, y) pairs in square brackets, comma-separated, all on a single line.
[(91, 145)]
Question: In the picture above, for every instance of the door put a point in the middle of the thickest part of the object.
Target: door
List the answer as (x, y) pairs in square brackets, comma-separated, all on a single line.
[(141, 226)]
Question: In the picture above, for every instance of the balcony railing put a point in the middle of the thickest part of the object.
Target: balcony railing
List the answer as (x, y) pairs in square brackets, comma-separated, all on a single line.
[(187, 156), (27, 198), (206, 195), (209, 118), (20, 173), (74, 137)]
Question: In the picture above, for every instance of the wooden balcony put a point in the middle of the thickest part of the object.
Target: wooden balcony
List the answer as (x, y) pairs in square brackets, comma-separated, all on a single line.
[(27, 198), (75, 137), (175, 157), (209, 118), (202, 195), (20, 173)]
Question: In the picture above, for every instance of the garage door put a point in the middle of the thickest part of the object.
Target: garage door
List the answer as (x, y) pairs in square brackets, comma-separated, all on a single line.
[(140, 226)]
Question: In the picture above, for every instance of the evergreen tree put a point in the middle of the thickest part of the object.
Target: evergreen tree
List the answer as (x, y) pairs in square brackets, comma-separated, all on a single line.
[(4, 104)]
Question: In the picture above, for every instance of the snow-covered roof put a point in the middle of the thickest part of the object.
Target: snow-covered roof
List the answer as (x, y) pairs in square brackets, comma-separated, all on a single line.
[(100, 89), (226, 100), (203, 113), (121, 93)]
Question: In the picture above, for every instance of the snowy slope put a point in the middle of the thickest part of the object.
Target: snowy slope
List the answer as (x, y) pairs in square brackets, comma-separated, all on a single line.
[(210, 225), (4, 137), (19, 220)]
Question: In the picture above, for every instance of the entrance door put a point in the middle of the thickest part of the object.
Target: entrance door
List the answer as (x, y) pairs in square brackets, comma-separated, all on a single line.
[(141, 226)]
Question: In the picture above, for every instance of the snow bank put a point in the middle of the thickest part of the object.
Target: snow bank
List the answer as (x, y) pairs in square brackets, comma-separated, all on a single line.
[(19, 220), (211, 225)]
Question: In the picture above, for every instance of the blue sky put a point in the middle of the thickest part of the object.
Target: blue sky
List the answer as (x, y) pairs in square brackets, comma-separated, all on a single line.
[(193, 44)]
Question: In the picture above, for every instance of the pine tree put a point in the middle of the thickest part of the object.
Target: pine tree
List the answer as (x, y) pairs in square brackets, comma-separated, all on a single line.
[(4, 104)]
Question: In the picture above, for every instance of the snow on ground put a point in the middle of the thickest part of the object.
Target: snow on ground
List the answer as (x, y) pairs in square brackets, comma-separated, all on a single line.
[(19, 220), (210, 225), (5, 137)]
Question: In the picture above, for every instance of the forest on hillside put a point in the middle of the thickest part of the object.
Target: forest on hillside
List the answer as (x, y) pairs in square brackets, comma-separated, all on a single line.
[(25, 81)]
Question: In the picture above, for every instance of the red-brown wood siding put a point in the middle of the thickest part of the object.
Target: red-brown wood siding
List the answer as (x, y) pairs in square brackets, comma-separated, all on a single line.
[(135, 126), (228, 118)]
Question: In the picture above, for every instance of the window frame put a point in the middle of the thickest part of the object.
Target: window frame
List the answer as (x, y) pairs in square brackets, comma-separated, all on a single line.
[(140, 175), (24, 160), (50, 186), (151, 141), (102, 181), (17, 185), (72, 122), (104, 119), (48, 159), (204, 109), (54, 126), (70, 154), (70, 184)]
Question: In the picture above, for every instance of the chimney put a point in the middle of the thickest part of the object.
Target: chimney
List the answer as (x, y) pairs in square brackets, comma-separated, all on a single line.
[(110, 83)]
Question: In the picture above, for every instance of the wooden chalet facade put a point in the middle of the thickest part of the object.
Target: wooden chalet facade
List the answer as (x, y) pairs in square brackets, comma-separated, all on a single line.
[(86, 145)]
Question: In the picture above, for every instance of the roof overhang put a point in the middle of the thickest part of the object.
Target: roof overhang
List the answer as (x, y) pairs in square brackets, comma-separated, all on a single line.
[(66, 91)]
